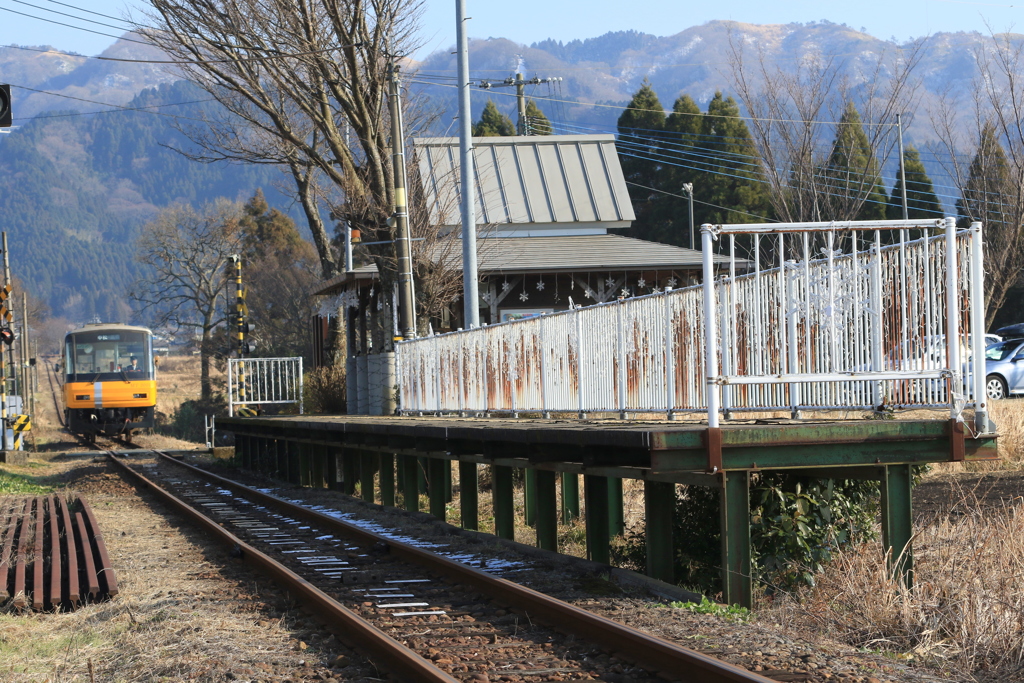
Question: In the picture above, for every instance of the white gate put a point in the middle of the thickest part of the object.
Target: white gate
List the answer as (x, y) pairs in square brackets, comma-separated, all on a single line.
[(264, 381)]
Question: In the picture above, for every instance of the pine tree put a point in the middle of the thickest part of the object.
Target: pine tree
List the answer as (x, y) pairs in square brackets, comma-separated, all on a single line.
[(733, 179), (921, 199), (987, 191), (640, 126), (493, 123), (536, 122), (850, 184)]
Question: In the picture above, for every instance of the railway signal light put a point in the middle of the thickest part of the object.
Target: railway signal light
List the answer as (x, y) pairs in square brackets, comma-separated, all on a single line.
[(247, 347), (6, 114), (7, 336)]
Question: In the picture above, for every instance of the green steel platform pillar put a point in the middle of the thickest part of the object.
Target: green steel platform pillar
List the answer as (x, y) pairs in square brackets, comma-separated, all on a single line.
[(448, 481), (897, 521), (616, 519), (280, 460), (595, 493), (317, 454), (734, 504), (570, 497), (305, 464), (504, 509), (387, 479), (469, 501), (438, 490), (294, 463), (547, 509), (659, 509), (349, 470), (367, 468), (410, 467), (530, 496), (333, 481)]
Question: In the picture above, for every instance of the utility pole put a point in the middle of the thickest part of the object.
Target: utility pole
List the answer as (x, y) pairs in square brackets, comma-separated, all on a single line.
[(23, 353), (688, 189), (348, 248), (406, 294), (903, 170), (470, 292), (4, 443), (522, 123)]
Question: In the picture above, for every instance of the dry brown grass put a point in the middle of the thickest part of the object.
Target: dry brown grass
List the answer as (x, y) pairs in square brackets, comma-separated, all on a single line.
[(965, 612)]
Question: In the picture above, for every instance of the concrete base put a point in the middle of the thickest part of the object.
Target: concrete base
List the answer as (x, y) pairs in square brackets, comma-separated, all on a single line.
[(223, 452), (14, 457)]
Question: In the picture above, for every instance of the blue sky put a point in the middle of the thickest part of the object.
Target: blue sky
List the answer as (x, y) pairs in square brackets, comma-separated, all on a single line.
[(528, 21)]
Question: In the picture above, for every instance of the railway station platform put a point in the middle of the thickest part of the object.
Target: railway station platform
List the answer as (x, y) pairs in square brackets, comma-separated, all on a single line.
[(408, 454)]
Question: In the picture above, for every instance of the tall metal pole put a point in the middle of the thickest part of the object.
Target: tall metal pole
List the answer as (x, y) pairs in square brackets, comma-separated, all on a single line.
[(521, 123), (903, 171), (3, 365), (348, 248), (688, 187), (23, 356), (470, 293), (406, 297)]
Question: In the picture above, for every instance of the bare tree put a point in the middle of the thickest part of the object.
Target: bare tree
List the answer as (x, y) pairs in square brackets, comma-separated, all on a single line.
[(793, 111), (308, 79), (186, 253), (988, 166)]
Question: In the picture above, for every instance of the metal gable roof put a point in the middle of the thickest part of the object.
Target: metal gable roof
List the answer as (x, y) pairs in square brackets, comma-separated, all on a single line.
[(543, 179)]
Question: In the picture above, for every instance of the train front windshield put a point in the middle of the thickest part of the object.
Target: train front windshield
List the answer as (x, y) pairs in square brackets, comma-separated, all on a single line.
[(103, 356)]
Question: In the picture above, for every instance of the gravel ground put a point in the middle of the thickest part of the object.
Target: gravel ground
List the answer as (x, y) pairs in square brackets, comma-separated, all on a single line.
[(785, 653), (187, 611)]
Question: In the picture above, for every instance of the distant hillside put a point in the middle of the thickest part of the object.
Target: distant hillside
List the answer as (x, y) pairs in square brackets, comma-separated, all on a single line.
[(88, 79), (75, 191), (608, 69)]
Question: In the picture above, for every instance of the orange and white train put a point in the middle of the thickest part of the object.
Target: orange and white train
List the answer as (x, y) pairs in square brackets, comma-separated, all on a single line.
[(109, 380)]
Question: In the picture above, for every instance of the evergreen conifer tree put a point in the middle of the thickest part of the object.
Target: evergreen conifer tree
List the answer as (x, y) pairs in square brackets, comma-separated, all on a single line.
[(987, 191), (536, 122), (732, 179), (921, 199), (640, 127), (493, 123), (850, 184)]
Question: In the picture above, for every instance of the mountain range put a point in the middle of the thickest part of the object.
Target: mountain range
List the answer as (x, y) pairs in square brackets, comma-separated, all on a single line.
[(76, 186)]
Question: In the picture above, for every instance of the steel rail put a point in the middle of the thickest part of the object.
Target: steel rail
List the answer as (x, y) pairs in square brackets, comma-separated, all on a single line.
[(625, 642), (380, 647)]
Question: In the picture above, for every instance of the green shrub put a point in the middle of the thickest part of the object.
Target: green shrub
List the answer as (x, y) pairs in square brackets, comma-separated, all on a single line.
[(187, 422), (325, 391), (796, 524)]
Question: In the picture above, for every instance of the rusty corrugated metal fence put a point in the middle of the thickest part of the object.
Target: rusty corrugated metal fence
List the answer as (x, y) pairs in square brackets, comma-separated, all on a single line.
[(852, 315)]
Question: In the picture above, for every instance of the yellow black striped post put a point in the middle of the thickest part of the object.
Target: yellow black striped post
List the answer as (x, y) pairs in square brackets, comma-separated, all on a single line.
[(20, 425)]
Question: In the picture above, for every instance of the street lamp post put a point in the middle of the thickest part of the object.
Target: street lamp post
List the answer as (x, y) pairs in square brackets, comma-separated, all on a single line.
[(688, 189)]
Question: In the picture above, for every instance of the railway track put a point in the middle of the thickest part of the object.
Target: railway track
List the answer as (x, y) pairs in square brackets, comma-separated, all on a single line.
[(415, 613)]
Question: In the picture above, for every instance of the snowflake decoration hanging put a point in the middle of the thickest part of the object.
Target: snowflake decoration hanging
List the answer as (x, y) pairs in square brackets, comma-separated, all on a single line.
[(371, 292), (656, 290), (380, 304), (641, 283), (589, 293), (610, 282), (505, 285), (523, 296), (672, 282), (624, 292), (540, 285)]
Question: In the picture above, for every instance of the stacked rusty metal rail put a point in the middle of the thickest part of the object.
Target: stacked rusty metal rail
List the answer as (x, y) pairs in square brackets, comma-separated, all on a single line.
[(52, 553), (668, 660)]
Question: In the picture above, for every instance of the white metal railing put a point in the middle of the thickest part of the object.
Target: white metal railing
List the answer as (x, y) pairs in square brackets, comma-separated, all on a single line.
[(819, 316), (264, 381)]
